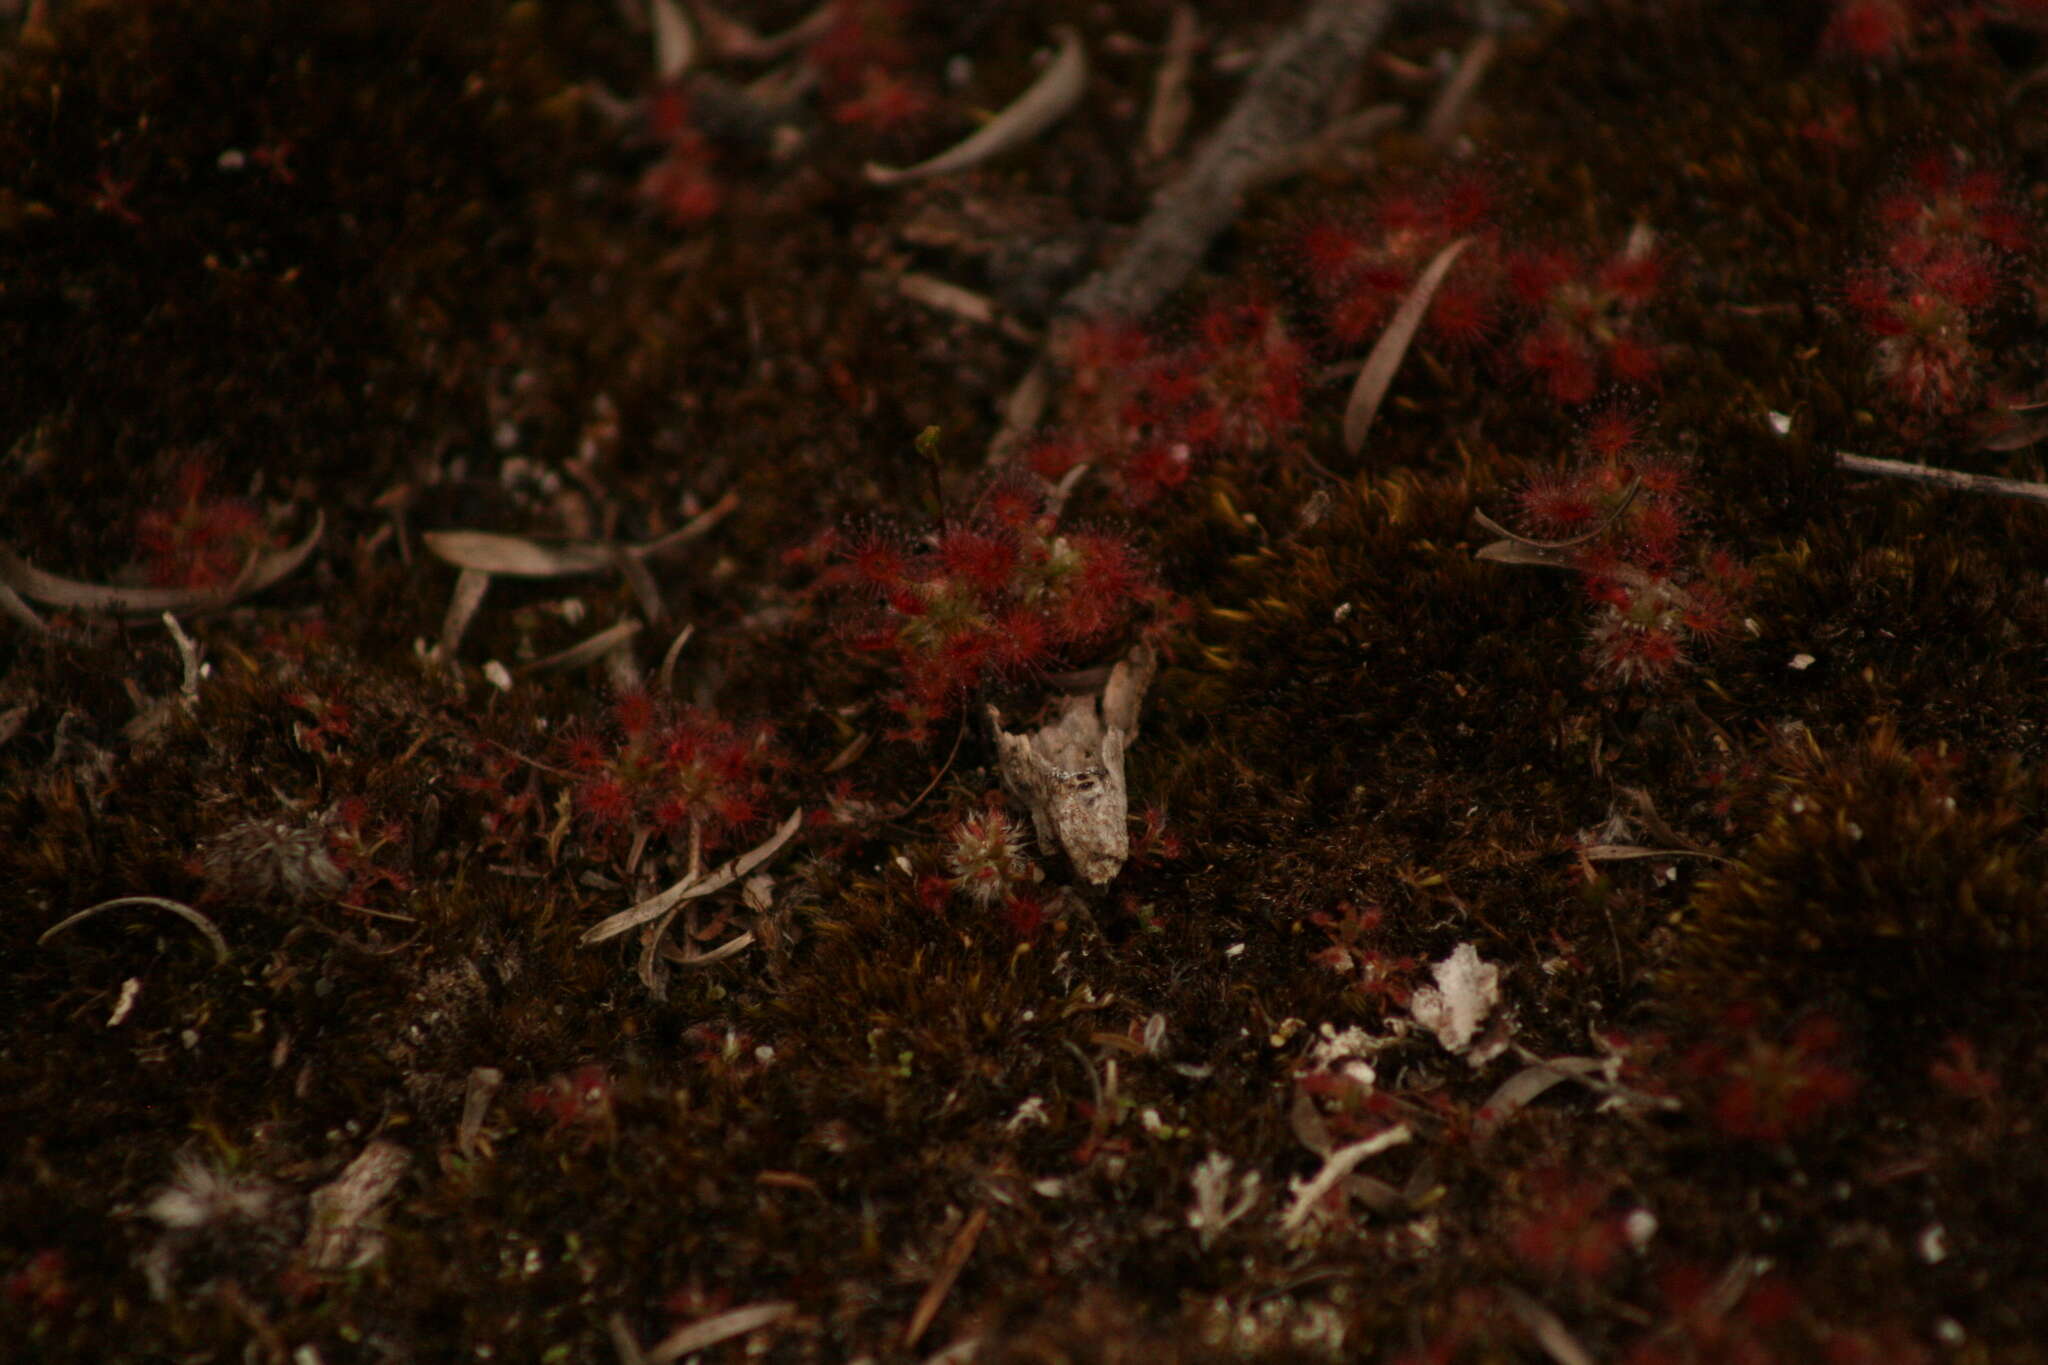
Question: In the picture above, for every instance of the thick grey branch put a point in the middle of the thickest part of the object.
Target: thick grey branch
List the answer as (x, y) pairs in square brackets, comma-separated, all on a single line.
[(1284, 103)]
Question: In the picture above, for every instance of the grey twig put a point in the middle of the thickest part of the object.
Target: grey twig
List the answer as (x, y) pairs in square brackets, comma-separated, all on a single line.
[(1284, 103)]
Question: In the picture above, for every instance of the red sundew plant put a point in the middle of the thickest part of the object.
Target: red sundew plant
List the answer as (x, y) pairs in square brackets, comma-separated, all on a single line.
[(1238, 385), (682, 183), (1888, 30), (1703, 1328), (1959, 1072), (1624, 518), (354, 840), (1567, 1230), (1950, 237), (200, 541), (578, 1102), (1768, 1091), (41, 1285), (1141, 415), (669, 771), (1586, 325), (1002, 593), (887, 103), (1359, 266)]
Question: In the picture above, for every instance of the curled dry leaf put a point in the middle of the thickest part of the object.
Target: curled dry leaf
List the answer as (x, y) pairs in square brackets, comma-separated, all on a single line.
[(1392, 347), (1057, 89), (178, 908), (585, 651), (51, 590)]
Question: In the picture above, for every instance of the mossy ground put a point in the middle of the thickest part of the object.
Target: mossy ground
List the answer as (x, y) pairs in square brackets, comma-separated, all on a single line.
[(438, 263)]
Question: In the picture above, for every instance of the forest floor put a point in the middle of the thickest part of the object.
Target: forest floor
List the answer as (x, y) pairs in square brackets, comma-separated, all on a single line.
[(474, 470)]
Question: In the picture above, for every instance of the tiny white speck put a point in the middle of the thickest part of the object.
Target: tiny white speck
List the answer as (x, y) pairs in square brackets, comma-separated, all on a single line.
[(1343, 612), (1802, 662), (1933, 1244), (232, 159), (498, 676), (1234, 950), (1950, 1332), (1639, 1227), (1780, 422), (130, 988)]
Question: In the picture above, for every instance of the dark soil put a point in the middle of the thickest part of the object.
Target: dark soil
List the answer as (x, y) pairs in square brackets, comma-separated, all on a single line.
[(1767, 875)]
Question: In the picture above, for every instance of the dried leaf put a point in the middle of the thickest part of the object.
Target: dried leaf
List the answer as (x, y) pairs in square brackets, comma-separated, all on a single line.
[(949, 1269), (178, 908), (702, 1336), (668, 660), (1547, 1328), (1448, 115), (675, 42), (1392, 347), (1057, 89), (51, 590), (732, 947), (586, 651), (1516, 552), (515, 556), (471, 586), (1523, 1088), (1171, 106)]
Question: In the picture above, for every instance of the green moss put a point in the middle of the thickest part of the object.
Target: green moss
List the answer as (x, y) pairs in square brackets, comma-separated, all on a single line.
[(1902, 886)]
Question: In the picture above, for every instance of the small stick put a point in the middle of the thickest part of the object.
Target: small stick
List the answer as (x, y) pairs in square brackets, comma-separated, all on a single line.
[(949, 1271), (1945, 478)]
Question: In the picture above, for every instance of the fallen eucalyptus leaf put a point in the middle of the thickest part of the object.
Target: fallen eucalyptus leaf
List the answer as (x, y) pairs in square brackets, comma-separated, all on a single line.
[(585, 651), (515, 556), (1392, 347), (52, 590), (178, 908), (1057, 89)]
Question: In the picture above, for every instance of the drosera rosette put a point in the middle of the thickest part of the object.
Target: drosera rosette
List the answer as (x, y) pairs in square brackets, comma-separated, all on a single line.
[(1001, 592), (1950, 246), (198, 538), (1358, 262), (1623, 519), (1586, 321), (1143, 407), (677, 771)]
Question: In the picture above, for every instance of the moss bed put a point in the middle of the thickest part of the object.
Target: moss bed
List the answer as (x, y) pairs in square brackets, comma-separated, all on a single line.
[(1771, 865)]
